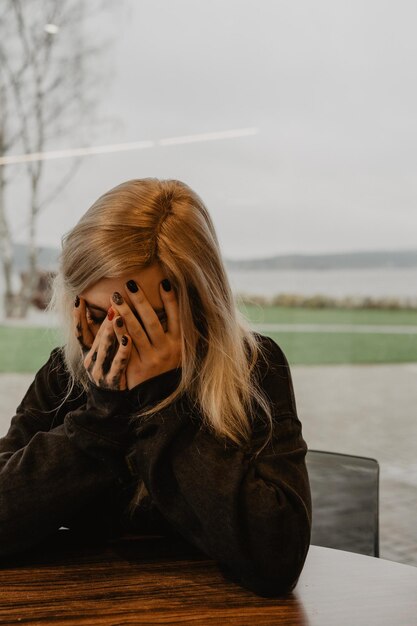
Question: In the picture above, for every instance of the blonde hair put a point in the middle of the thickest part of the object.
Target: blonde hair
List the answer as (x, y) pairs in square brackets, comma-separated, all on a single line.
[(149, 220)]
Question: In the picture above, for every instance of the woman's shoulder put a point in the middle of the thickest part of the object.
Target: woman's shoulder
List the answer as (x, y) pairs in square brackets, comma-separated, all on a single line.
[(52, 382), (275, 375), (54, 370), (271, 353)]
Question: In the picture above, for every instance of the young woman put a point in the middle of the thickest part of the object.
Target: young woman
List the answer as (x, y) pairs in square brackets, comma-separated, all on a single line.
[(163, 411)]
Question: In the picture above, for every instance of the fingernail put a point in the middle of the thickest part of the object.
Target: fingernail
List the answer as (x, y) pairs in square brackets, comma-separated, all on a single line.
[(166, 285), (132, 286), (117, 298), (110, 314), (124, 340), (119, 322), (77, 301)]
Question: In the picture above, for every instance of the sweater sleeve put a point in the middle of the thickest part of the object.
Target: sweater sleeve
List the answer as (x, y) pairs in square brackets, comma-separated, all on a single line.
[(62, 454), (253, 516)]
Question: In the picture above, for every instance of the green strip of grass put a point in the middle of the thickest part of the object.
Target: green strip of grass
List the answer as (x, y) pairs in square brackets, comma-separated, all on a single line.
[(310, 348), (26, 349), (325, 348)]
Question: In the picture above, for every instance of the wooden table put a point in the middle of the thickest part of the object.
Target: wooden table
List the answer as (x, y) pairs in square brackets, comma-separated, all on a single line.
[(152, 580)]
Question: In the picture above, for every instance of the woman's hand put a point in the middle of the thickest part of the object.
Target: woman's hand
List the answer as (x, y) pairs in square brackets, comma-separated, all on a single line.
[(154, 351), (85, 329), (106, 350), (107, 360)]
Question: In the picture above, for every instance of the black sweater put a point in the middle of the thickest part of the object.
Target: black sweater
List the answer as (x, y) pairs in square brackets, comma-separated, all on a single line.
[(76, 464)]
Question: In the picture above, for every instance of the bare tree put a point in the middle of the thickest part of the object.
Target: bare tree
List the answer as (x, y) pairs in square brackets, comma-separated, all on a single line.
[(46, 75), (8, 138), (5, 238)]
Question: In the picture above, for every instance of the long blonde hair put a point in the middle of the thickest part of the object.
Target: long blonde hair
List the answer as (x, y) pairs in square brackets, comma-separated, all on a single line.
[(149, 220)]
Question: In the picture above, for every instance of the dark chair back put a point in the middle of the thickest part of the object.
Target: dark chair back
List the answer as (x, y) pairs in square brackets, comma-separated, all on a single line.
[(345, 501)]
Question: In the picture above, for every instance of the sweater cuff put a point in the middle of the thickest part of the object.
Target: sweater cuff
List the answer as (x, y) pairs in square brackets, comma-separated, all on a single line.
[(104, 424), (155, 389), (109, 402)]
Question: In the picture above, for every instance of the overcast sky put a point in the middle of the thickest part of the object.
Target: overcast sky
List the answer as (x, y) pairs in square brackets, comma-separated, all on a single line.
[(329, 85)]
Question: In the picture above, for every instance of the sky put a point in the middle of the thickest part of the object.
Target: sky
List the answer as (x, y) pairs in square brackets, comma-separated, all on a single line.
[(328, 88)]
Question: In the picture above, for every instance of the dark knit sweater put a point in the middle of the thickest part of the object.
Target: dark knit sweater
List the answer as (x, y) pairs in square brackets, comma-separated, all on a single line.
[(77, 464)]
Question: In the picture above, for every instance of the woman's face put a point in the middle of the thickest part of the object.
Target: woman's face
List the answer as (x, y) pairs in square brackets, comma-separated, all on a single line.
[(98, 296)]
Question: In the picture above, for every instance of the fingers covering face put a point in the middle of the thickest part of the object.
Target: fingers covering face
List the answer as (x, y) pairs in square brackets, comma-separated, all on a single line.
[(116, 377), (132, 330), (107, 360), (141, 320), (170, 301), (83, 327)]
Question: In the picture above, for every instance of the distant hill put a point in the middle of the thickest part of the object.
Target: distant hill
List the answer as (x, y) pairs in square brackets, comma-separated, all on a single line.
[(343, 260), (48, 258)]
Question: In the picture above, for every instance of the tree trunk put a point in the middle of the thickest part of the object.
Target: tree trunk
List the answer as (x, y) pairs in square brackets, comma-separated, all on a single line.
[(6, 252), (6, 248), (30, 281)]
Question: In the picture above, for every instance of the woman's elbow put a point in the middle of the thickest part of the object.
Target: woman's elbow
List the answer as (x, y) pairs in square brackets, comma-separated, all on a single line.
[(276, 562), (274, 579)]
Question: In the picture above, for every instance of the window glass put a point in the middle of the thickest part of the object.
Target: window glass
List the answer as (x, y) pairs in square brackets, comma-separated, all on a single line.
[(295, 123)]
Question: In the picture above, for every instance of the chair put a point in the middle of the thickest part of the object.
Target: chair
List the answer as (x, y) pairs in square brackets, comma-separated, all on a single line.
[(345, 501)]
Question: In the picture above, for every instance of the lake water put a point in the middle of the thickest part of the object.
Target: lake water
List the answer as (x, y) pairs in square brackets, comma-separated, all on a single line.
[(378, 283), (388, 282)]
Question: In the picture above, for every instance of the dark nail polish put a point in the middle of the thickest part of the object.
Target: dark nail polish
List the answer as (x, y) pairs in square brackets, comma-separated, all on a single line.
[(77, 301), (117, 298), (110, 313), (124, 340), (119, 322), (166, 285), (132, 286)]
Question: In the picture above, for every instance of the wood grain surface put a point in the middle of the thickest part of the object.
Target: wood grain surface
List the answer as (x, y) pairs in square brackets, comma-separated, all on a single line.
[(160, 580)]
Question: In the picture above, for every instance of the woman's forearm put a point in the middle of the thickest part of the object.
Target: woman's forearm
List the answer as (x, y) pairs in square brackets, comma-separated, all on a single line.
[(57, 458), (45, 483), (254, 517)]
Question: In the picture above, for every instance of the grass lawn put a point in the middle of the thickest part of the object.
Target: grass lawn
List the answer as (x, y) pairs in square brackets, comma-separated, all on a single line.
[(26, 349), (332, 347), (321, 348)]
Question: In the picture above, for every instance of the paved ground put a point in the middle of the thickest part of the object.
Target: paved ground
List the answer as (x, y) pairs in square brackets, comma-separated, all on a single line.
[(360, 409), (369, 410)]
